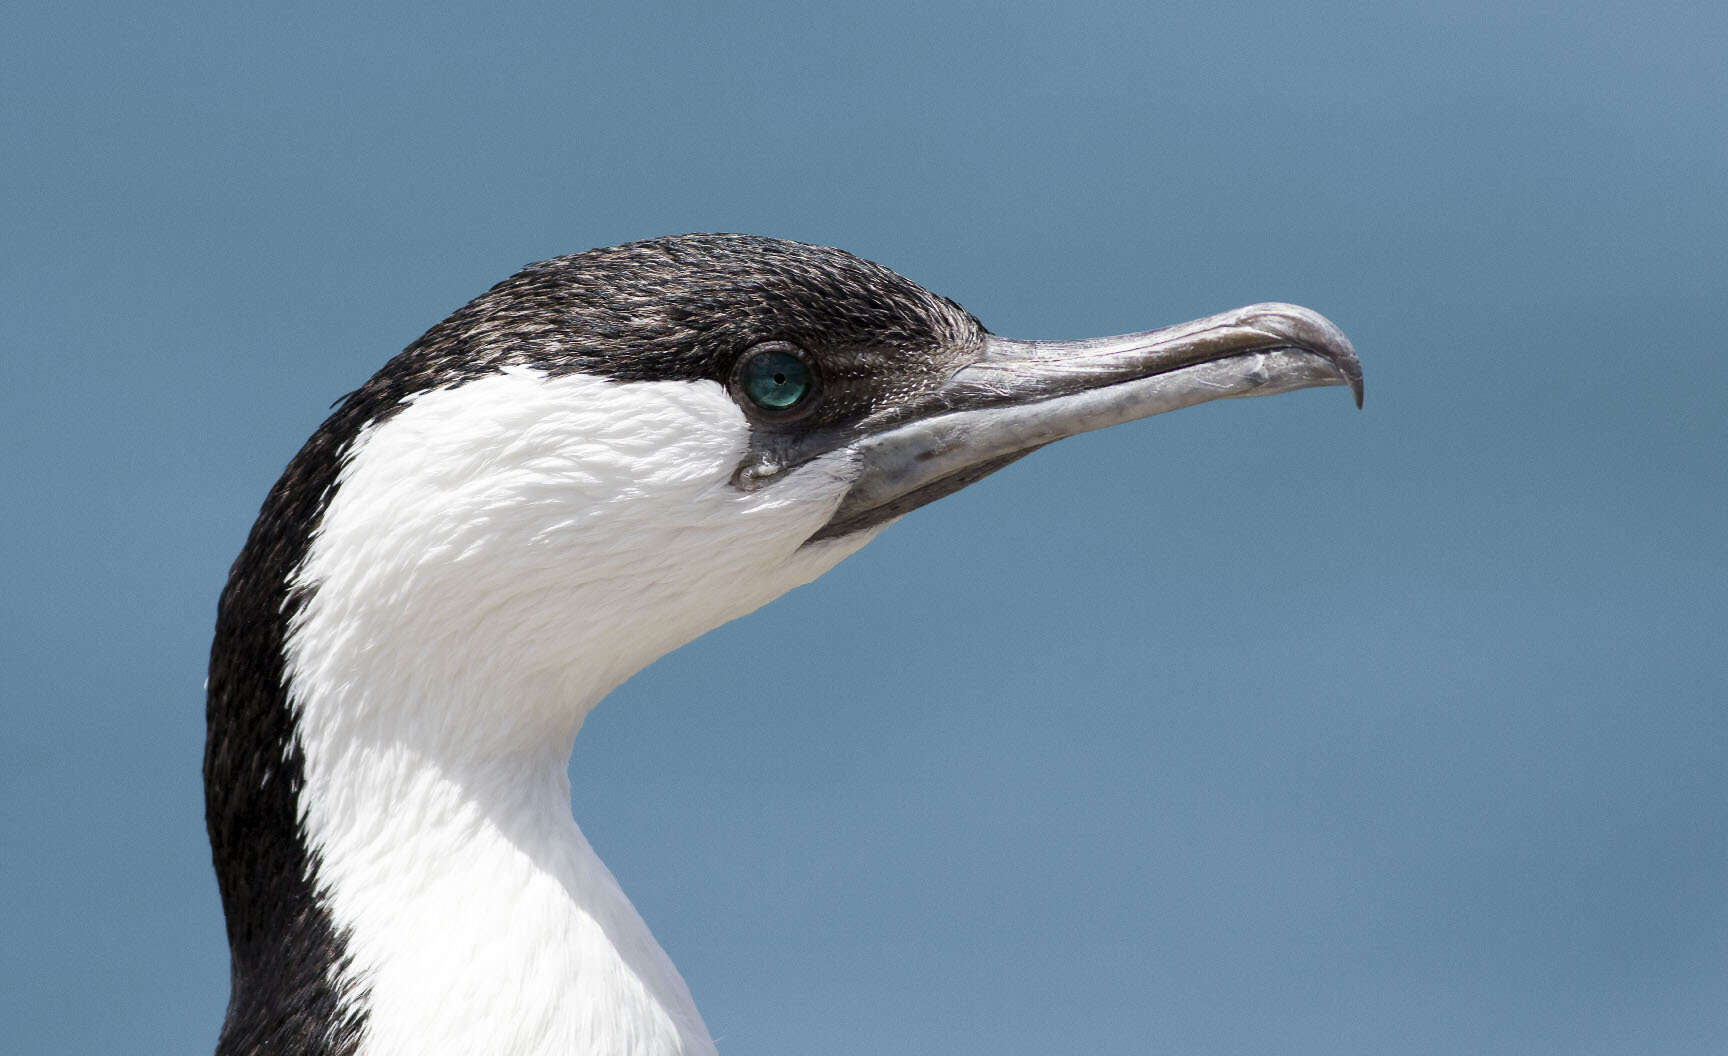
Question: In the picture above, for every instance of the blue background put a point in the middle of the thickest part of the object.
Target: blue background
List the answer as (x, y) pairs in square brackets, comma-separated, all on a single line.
[(1267, 726)]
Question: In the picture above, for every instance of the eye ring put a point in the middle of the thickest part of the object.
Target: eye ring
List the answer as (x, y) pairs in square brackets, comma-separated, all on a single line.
[(776, 381)]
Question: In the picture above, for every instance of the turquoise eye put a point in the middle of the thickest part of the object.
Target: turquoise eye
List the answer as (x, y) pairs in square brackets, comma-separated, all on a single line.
[(775, 379)]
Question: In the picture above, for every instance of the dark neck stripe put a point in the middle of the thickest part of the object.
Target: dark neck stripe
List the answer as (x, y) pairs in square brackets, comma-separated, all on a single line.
[(288, 963)]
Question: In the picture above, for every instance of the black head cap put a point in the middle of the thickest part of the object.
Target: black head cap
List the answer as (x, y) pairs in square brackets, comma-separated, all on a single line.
[(685, 307)]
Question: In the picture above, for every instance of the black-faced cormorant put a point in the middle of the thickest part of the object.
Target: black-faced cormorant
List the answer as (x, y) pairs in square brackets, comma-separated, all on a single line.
[(590, 464)]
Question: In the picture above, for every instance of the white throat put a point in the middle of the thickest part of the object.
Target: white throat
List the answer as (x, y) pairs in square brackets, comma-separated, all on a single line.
[(497, 557)]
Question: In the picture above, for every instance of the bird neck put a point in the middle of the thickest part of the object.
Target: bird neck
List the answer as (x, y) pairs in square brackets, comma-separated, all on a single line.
[(477, 918)]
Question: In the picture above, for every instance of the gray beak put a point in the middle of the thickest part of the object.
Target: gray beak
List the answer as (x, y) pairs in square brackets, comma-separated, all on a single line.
[(1021, 395)]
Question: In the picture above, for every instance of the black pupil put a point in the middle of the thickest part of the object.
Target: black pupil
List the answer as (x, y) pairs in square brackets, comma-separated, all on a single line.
[(776, 380)]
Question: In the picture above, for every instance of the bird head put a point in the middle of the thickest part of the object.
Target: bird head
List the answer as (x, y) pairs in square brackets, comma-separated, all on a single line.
[(610, 453)]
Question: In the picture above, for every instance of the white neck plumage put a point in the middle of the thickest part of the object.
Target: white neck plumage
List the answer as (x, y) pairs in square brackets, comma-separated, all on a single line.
[(476, 915), (474, 587)]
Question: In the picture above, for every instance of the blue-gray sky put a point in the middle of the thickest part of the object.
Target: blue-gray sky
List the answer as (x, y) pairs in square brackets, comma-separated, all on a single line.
[(1268, 726)]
